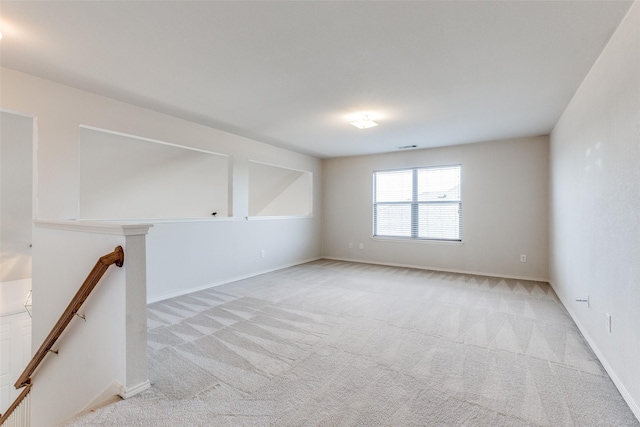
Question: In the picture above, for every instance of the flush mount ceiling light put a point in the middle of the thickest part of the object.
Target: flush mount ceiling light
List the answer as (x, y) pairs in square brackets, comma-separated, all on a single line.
[(364, 122)]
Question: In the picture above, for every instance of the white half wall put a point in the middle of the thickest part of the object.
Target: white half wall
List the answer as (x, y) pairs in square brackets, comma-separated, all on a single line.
[(188, 256), (110, 345), (210, 251), (504, 209), (595, 207)]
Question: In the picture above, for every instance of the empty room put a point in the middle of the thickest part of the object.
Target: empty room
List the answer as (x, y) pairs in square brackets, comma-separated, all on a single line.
[(305, 213)]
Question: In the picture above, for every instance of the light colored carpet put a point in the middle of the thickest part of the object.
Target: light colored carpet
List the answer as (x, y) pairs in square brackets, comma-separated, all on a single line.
[(344, 344)]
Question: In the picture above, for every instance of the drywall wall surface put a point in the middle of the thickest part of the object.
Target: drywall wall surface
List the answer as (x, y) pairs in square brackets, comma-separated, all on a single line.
[(124, 177), (295, 199), (277, 191), (108, 346), (189, 251), (504, 209), (91, 353), (61, 110), (13, 296), (185, 257), (16, 154), (595, 207)]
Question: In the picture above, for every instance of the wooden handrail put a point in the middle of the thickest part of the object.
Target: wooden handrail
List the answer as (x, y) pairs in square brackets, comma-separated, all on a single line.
[(116, 257), (15, 404)]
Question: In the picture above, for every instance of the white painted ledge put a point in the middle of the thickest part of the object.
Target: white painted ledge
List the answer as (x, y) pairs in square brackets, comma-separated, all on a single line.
[(152, 221), (418, 241), (270, 218), (95, 227)]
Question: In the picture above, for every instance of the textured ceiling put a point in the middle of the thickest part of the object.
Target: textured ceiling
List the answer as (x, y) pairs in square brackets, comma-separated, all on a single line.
[(290, 73)]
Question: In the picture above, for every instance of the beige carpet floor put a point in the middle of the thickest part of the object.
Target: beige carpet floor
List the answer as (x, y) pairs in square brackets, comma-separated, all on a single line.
[(343, 344)]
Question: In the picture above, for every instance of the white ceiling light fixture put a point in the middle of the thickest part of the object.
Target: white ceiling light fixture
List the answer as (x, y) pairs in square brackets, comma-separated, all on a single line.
[(364, 122)]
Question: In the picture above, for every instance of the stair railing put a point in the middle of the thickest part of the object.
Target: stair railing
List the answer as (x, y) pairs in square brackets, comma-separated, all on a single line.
[(116, 257)]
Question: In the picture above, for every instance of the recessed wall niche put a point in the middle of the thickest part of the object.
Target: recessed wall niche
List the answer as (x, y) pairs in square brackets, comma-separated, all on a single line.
[(279, 191), (129, 177)]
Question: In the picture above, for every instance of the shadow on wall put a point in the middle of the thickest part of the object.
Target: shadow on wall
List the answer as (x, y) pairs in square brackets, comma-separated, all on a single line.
[(278, 191)]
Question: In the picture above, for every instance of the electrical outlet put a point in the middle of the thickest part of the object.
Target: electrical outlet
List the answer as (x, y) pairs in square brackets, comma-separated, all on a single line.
[(361, 245), (523, 258), (262, 253), (350, 245), (609, 322)]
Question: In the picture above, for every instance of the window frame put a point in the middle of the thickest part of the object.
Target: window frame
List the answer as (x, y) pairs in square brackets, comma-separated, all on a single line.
[(415, 204)]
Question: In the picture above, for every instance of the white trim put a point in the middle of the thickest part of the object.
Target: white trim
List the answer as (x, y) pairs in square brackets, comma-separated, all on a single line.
[(416, 240), (633, 405), (156, 141), (137, 221), (264, 218), (278, 166), (127, 392), (94, 227), (228, 280), (445, 270), (435, 166), (17, 113)]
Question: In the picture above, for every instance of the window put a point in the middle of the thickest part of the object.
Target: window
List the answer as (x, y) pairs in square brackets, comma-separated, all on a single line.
[(420, 203)]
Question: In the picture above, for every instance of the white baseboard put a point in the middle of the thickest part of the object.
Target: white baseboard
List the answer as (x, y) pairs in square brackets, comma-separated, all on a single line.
[(228, 280), (633, 405), (127, 392), (446, 270)]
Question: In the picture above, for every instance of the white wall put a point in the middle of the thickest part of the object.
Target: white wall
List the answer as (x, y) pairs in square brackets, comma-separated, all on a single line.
[(277, 191), (128, 177), (16, 153), (188, 256), (295, 199), (110, 345), (61, 110), (595, 207), (504, 205)]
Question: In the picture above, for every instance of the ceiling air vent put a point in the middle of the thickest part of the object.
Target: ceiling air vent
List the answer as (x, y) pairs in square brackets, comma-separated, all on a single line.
[(406, 147)]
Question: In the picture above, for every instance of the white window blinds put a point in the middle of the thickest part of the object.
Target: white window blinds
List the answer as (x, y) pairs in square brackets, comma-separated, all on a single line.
[(420, 203)]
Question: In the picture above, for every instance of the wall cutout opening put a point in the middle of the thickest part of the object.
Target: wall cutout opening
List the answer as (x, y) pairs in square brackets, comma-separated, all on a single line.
[(128, 177), (278, 191)]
